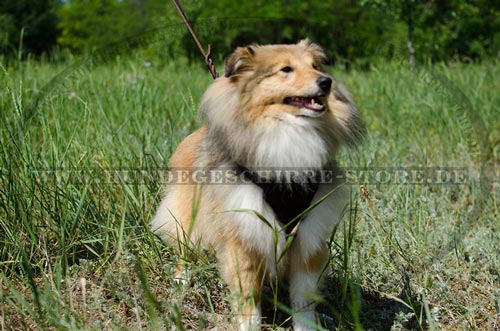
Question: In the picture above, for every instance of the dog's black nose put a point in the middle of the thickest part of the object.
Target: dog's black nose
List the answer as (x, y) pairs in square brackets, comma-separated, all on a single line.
[(324, 83)]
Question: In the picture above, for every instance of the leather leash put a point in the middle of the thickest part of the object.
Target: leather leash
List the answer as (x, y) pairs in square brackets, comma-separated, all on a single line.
[(206, 56)]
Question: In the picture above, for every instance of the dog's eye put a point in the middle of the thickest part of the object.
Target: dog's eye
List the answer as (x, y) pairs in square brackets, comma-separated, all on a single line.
[(287, 69)]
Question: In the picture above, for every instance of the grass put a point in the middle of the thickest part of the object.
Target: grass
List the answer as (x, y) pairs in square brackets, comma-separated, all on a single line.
[(82, 156)]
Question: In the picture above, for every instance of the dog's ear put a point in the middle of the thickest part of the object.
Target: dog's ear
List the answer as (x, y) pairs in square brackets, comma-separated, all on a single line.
[(350, 127), (239, 61), (316, 51)]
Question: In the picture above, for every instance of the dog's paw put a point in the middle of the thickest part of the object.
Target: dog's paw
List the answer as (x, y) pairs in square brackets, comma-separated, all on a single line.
[(182, 276), (251, 323), (303, 328), (306, 321), (299, 326)]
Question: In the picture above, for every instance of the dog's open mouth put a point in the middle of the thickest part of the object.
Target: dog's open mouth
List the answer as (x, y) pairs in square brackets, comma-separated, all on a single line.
[(311, 103)]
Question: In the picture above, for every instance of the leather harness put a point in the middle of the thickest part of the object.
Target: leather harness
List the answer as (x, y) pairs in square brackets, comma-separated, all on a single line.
[(287, 200)]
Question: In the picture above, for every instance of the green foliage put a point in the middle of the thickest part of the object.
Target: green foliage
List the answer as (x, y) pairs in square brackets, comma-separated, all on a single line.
[(7, 30), (354, 31), (82, 162), (95, 24), (444, 29), (476, 26), (347, 30), (28, 25), (350, 30)]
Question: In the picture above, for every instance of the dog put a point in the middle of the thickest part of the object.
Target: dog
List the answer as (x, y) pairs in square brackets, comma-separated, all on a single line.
[(274, 113)]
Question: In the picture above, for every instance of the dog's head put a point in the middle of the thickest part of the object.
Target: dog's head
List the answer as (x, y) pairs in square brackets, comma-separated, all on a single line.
[(277, 100), (282, 75)]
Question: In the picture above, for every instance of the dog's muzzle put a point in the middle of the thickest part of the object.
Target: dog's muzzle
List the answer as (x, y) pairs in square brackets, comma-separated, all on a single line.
[(325, 84)]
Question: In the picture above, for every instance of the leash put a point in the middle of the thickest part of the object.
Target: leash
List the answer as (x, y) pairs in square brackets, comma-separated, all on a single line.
[(206, 56)]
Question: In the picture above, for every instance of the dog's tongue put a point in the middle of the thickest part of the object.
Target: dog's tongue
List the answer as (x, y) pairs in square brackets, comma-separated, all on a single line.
[(305, 102)]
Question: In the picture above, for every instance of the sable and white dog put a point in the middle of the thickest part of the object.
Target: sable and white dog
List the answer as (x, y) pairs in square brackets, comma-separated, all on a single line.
[(274, 109)]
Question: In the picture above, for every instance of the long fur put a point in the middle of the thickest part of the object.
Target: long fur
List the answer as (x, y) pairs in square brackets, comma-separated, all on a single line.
[(249, 124)]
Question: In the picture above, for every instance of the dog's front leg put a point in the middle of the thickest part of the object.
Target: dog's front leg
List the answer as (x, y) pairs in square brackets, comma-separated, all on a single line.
[(243, 271), (305, 277), (310, 252)]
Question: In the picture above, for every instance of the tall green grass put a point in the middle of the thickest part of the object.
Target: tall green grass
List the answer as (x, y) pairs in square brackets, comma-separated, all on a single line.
[(81, 160)]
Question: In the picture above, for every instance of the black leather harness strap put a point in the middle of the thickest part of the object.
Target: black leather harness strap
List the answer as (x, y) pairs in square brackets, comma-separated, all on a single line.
[(286, 199)]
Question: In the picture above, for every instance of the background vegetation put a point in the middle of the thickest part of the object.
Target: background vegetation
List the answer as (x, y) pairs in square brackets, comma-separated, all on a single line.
[(95, 96), (355, 30), (82, 159)]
